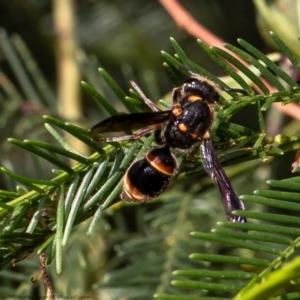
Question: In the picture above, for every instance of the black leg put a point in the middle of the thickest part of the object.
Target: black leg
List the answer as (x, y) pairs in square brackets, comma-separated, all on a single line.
[(138, 134)]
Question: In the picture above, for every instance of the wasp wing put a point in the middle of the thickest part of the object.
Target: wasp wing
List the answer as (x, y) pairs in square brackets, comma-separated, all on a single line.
[(214, 169), (123, 122)]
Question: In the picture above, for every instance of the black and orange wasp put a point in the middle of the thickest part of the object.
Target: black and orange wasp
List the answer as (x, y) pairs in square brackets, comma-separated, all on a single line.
[(187, 122)]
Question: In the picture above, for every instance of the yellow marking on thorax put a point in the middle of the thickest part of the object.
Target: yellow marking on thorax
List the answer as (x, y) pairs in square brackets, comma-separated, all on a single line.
[(194, 98), (194, 136), (177, 110), (182, 127)]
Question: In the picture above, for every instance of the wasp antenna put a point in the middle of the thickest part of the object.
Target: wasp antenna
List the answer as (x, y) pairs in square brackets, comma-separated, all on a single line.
[(147, 101), (241, 91), (137, 88), (186, 68)]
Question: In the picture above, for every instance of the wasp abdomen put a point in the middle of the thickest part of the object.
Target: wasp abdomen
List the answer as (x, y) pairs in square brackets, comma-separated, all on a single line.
[(148, 177)]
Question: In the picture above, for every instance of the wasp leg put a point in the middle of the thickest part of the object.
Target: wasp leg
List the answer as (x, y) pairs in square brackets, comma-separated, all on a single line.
[(138, 134), (158, 136), (176, 95), (236, 90)]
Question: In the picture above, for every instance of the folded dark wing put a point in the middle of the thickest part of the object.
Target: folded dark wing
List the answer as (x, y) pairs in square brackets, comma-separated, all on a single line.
[(215, 170), (123, 122)]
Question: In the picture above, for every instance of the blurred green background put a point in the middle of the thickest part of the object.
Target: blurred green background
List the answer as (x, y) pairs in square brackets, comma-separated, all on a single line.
[(125, 38)]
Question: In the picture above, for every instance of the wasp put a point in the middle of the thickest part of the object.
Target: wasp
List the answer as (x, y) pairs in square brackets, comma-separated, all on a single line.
[(186, 123)]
